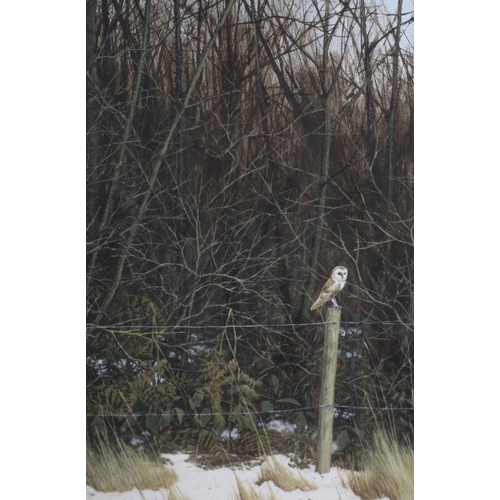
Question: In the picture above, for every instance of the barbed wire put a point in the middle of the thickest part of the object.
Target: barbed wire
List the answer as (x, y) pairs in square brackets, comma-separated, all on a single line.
[(288, 410)]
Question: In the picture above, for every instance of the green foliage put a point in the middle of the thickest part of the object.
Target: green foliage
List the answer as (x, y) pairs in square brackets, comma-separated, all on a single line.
[(205, 416), (267, 406), (98, 425), (289, 401), (129, 422), (275, 382), (180, 414), (343, 440), (219, 423), (157, 423), (300, 421), (198, 397)]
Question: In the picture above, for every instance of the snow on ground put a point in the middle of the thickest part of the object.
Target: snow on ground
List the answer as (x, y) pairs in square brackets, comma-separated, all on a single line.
[(220, 484)]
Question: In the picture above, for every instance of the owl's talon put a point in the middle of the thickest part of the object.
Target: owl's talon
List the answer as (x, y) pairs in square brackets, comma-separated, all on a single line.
[(333, 305)]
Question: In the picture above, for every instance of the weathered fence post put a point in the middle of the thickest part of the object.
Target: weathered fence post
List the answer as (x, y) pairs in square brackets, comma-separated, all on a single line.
[(328, 372)]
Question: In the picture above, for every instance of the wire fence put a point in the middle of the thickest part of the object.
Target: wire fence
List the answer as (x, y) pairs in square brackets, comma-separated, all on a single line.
[(262, 412), (256, 325), (164, 330), (257, 329)]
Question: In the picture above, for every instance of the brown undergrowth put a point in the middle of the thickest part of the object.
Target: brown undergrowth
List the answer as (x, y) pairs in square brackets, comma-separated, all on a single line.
[(385, 471)]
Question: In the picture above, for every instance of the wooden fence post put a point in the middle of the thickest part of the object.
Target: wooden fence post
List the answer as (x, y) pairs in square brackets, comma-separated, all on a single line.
[(327, 394)]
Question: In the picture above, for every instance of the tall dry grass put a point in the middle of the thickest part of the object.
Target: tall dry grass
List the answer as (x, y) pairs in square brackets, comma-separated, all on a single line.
[(120, 468), (175, 494), (386, 470), (247, 492), (284, 478)]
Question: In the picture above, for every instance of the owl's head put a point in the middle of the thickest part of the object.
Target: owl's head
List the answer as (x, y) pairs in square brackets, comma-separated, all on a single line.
[(339, 274)]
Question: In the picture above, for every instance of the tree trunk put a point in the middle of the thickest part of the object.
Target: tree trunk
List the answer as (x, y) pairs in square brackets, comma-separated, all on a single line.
[(393, 111), (377, 179)]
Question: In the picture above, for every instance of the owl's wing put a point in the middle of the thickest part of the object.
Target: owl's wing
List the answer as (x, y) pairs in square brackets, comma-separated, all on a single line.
[(329, 290), (327, 286), (334, 289)]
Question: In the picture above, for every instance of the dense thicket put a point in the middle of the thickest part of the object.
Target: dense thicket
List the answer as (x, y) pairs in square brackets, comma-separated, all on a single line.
[(237, 151)]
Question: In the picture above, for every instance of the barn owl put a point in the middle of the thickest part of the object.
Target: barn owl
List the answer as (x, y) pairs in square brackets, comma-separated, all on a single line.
[(332, 287)]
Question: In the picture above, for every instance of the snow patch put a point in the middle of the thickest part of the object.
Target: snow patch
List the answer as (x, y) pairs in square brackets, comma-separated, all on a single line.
[(220, 484)]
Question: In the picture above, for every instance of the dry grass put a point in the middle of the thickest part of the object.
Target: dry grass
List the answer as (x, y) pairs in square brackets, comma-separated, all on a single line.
[(284, 478), (272, 495), (120, 468), (386, 471), (175, 494), (247, 492)]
